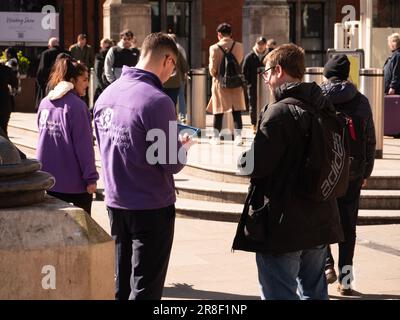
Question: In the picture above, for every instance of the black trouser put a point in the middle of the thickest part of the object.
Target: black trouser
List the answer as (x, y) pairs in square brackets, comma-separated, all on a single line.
[(237, 121), (348, 208), (252, 97), (143, 242), (80, 200), (4, 119)]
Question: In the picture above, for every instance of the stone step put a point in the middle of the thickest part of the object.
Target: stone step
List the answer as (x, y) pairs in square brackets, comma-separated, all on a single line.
[(231, 212), (221, 192)]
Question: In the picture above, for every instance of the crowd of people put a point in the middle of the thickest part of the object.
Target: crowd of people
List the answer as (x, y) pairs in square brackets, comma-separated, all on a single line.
[(135, 121)]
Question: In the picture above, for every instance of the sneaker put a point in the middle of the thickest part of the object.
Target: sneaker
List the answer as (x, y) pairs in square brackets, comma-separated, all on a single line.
[(238, 140), (215, 141), (330, 274), (345, 290)]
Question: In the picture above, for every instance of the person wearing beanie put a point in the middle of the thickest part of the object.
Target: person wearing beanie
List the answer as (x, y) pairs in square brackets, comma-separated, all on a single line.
[(348, 100), (337, 67)]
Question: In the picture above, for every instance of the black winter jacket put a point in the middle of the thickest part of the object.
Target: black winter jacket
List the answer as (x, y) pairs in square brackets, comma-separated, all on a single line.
[(346, 98), (250, 65), (294, 222), (392, 72)]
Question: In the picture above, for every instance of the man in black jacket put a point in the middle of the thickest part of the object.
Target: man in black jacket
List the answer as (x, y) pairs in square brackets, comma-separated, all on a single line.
[(252, 62), (348, 100), (392, 66), (105, 45), (292, 257), (7, 79), (47, 59)]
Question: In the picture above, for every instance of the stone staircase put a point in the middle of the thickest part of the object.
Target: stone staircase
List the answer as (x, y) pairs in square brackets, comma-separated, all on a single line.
[(209, 188)]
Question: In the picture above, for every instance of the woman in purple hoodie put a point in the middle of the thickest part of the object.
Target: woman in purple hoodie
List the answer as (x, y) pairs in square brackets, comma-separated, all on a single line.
[(65, 145)]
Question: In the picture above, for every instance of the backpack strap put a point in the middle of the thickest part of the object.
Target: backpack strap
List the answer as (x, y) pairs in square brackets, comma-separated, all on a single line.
[(298, 114), (230, 50)]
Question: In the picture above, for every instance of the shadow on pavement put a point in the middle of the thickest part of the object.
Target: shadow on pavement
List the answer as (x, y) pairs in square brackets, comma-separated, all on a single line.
[(186, 291), (361, 296)]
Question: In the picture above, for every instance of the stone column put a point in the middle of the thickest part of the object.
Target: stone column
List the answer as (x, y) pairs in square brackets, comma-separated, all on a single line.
[(127, 14), (267, 18), (52, 250)]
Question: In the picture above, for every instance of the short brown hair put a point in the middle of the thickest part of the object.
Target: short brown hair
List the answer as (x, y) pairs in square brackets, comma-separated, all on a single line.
[(290, 57), (126, 33), (225, 29), (158, 43), (64, 69)]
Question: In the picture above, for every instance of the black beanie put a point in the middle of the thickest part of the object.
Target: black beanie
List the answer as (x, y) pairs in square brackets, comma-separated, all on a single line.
[(337, 66)]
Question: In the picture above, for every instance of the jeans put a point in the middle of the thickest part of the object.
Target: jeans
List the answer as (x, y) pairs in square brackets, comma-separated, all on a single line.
[(143, 242), (181, 100), (237, 122), (293, 276)]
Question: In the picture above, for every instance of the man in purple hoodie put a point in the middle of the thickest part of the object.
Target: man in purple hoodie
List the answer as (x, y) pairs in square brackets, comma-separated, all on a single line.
[(140, 151)]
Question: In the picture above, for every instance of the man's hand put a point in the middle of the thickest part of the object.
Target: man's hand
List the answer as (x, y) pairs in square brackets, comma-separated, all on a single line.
[(364, 184), (391, 91), (91, 188), (187, 141)]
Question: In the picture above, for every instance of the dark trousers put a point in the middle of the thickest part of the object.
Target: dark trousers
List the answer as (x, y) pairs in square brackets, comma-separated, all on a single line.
[(143, 242), (80, 200), (237, 121), (172, 93), (348, 208), (4, 119), (252, 98)]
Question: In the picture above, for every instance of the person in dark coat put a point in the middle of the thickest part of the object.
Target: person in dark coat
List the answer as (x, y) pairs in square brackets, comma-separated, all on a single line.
[(7, 79), (47, 59), (392, 66), (291, 258), (348, 100), (105, 45), (252, 62)]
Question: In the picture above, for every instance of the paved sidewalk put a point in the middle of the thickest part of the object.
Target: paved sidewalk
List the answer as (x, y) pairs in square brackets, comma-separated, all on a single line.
[(202, 265)]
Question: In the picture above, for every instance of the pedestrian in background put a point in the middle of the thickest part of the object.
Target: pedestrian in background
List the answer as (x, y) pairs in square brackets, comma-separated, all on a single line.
[(392, 66), (225, 100), (123, 54), (174, 83), (46, 62), (271, 44), (101, 84), (7, 79), (65, 143), (252, 62), (82, 51)]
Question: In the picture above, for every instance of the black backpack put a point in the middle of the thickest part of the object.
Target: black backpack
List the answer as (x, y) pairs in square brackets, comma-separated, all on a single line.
[(324, 172), (356, 137), (230, 72)]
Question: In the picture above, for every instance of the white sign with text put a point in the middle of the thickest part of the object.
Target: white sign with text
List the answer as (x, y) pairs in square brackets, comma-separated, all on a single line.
[(28, 26)]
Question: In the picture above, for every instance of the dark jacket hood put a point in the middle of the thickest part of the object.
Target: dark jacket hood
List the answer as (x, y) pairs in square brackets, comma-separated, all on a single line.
[(309, 93), (339, 92)]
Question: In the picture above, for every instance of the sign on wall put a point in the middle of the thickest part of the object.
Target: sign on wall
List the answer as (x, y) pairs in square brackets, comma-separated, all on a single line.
[(347, 10), (29, 27)]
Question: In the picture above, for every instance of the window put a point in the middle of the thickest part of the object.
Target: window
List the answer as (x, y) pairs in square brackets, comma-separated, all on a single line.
[(386, 13)]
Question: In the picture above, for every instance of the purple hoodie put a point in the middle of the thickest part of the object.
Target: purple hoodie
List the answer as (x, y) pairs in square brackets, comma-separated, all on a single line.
[(123, 115), (65, 145)]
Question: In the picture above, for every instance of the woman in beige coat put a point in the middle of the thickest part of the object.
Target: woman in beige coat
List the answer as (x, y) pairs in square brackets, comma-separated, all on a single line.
[(224, 99)]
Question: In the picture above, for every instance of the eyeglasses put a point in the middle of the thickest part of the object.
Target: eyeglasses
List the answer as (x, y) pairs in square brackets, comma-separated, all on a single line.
[(264, 74)]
